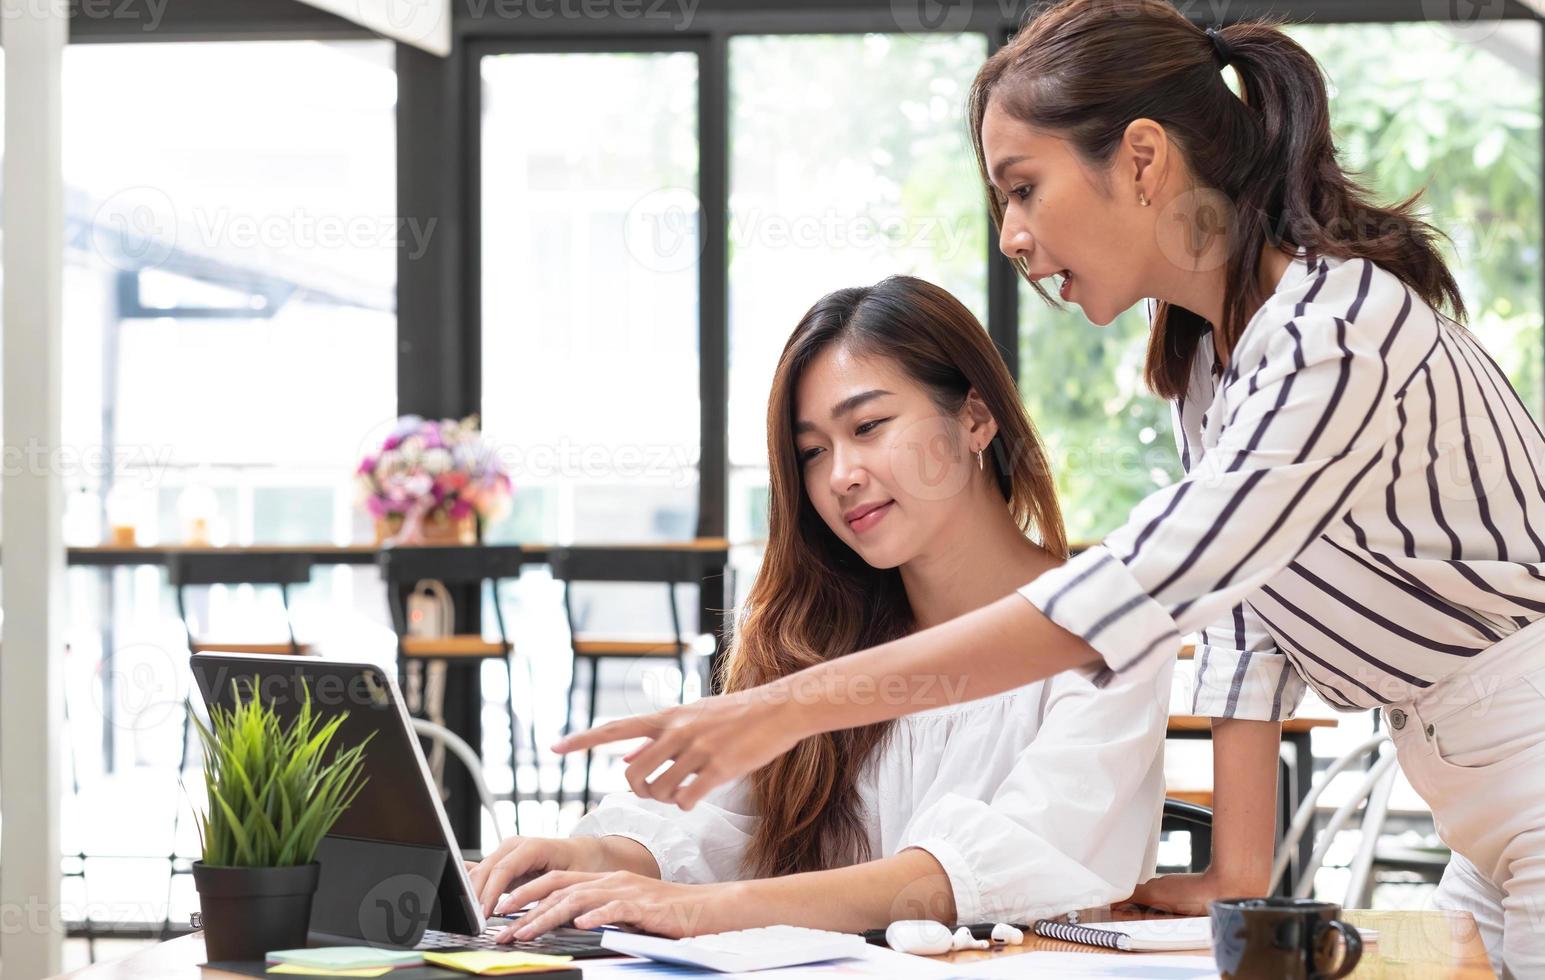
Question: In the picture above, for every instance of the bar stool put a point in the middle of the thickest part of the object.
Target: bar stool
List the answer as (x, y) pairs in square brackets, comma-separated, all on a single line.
[(189, 569), (665, 568), (403, 567)]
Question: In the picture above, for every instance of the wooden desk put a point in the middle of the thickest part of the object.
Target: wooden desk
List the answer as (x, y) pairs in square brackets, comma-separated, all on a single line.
[(1431, 945), (1299, 777)]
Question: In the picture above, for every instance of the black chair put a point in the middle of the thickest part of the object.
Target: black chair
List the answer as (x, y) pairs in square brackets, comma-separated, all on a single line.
[(1194, 820), (666, 568), (403, 567)]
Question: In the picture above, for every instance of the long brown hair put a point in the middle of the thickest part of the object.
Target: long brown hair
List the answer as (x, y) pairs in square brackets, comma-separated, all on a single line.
[(814, 597), (1085, 69)]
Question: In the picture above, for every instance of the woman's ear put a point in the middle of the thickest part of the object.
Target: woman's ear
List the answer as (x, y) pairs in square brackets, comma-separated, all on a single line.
[(977, 419), (1145, 146)]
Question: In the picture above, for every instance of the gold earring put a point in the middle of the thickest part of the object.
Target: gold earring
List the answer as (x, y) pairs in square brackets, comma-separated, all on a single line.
[(979, 464)]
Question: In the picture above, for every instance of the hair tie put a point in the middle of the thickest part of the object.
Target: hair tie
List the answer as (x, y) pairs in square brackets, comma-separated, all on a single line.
[(1220, 46)]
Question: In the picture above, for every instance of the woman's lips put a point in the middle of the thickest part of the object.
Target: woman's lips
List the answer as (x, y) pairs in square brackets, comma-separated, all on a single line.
[(1066, 290), (870, 518)]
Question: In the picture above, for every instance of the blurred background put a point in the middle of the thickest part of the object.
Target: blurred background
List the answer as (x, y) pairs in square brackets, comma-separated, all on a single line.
[(592, 227)]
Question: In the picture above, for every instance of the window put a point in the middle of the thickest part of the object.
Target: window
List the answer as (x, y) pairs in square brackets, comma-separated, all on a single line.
[(848, 163), (589, 269), (230, 320)]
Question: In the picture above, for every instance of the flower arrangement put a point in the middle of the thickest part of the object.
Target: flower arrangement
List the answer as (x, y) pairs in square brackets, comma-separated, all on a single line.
[(433, 471)]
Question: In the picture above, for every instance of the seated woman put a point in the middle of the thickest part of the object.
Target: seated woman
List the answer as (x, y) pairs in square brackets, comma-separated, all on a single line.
[(907, 486)]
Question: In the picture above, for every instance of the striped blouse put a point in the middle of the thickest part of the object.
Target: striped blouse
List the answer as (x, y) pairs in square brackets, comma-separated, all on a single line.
[(1362, 510)]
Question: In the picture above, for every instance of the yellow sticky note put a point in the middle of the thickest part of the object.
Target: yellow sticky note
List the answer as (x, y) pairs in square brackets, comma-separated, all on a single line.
[(295, 970), (495, 963)]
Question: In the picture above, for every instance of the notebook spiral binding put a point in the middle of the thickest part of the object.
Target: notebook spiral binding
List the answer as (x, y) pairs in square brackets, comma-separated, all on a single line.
[(1078, 934)]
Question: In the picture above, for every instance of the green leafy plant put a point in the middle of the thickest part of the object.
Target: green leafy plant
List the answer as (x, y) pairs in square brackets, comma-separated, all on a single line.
[(274, 790)]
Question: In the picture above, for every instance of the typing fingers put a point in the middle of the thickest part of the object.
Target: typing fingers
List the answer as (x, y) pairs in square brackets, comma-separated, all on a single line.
[(541, 889), (511, 867), (560, 907)]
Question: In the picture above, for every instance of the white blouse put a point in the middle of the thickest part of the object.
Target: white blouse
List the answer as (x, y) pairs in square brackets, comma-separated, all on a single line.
[(1035, 802)]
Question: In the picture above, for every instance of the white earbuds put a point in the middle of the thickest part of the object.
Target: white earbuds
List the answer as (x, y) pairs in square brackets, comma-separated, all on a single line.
[(920, 937), (924, 937), (964, 940)]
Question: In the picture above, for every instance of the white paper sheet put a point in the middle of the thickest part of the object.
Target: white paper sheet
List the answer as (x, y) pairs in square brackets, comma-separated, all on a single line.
[(1081, 966), (875, 963)]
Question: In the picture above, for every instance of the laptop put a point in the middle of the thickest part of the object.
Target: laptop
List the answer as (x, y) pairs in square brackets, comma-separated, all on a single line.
[(391, 871)]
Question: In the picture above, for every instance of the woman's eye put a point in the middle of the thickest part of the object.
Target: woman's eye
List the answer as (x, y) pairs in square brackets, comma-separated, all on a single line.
[(869, 427), (1023, 191), (809, 454)]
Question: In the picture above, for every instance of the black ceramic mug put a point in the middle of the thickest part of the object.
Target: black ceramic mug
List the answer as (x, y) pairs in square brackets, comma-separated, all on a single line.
[(1282, 939)]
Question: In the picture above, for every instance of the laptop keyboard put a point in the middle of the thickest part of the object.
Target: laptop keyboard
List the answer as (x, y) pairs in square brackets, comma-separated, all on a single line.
[(578, 943)]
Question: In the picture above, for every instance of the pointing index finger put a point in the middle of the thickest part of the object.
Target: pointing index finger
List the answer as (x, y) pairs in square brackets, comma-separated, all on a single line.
[(641, 726)]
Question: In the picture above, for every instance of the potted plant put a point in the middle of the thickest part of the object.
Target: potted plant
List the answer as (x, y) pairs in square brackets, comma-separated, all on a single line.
[(274, 790), (431, 480)]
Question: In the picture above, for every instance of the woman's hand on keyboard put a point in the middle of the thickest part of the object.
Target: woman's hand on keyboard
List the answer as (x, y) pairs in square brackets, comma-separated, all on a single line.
[(518, 860), (590, 900)]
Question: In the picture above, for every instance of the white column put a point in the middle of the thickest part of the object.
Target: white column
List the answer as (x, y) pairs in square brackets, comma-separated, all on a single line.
[(31, 490)]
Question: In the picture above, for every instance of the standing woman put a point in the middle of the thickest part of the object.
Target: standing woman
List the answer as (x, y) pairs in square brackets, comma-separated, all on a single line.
[(1363, 495)]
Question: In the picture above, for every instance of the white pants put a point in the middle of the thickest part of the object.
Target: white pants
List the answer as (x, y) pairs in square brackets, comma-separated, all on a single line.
[(1473, 745)]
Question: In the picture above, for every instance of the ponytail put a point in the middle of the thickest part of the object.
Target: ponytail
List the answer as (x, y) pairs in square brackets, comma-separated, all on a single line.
[(1093, 68)]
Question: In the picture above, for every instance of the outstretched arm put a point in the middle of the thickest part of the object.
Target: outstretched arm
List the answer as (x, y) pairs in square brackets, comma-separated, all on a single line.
[(997, 648)]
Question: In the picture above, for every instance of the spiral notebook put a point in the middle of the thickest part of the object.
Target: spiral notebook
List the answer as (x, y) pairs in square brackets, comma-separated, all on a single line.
[(1144, 935)]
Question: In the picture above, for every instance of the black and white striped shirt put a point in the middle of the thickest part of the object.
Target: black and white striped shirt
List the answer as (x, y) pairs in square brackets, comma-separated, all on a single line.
[(1362, 509)]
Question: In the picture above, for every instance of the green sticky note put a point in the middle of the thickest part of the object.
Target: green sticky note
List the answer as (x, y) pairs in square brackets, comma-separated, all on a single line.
[(294, 970)]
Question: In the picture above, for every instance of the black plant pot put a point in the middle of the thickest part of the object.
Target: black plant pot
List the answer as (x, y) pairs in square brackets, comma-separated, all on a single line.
[(250, 912)]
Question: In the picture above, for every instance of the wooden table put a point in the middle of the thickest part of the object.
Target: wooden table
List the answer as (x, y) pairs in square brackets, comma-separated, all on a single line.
[(1430, 945), (1299, 777)]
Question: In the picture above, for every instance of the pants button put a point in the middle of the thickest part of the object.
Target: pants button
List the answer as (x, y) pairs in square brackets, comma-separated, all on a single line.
[(1397, 719)]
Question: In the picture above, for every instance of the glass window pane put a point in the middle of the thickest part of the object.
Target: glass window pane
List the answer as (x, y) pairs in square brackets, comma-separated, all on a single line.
[(590, 321), (849, 162), (230, 268)]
